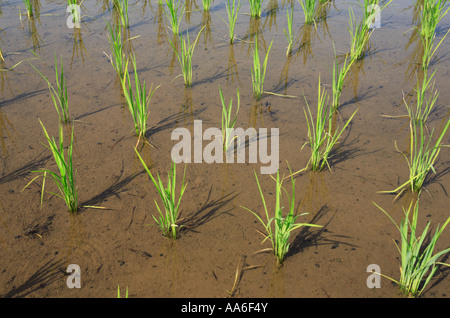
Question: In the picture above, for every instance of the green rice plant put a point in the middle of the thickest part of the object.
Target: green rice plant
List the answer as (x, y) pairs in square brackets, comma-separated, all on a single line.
[(75, 13), (432, 12), (255, 8), (360, 35), (168, 221), (29, 7), (232, 13), (259, 72), (173, 15), (118, 292), (423, 154), (418, 264), (185, 56), (65, 180), (289, 33), (309, 10), (122, 8), (116, 45), (58, 94), (338, 81), (278, 227), (227, 122), (1, 55), (206, 5), (429, 49), (138, 101), (322, 139), (423, 106)]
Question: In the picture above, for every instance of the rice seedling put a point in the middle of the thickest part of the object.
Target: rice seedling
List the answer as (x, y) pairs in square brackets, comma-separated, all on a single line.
[(58, 94), (185, 56), (173, 15), (255, 8), (418, 264), (309, 10), (1, 54), (74, 12), (232, 13), (338, 81), (289, 33), (322, 138), (138, 101), (227, 122), (423, 106), (259, 72), (168, 221), (360, 35), (118, 292), (423, 154), (429, 49), (279, 228), (65, 180), (28, 7), (432, 12), (206, 5), (116, 45), (122, 8)]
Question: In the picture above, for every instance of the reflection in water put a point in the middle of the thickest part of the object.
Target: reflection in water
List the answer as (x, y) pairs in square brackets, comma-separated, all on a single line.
[(206, 24), (159, 18), (78, 47), (186, 111), (254, 29), (284, 73), (256, 111), (308, 33), (173, 49), (277, 280), (4, 77), (32, 35), (414, 58), (189, 7), (353, 76), (316, 195), (321, 16), (271, 18), (232, 66)]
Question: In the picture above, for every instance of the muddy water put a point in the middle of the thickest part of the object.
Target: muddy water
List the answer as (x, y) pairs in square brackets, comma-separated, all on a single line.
[(121, 245)]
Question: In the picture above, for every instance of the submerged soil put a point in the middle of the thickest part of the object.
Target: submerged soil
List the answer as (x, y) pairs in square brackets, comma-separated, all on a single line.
[(120, 245)]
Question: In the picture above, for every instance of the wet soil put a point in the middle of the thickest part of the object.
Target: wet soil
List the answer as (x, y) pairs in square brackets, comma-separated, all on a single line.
[(121, 245)]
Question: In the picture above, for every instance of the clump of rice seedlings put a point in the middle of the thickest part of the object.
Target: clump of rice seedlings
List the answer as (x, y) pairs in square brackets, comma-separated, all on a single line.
[(29, 7), (280, 227), (418, 264), (338, 81), (168, 220), (65, 180), (122, 8), (322, 138), (289, 33), (360, 35), (206, 5), (259, 72), (227, 122), (138, 101), (432, 12), (232, 13), (309, 10), (185, 56), (58, 94), (173, 15), (423, 154), (255, 8)]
